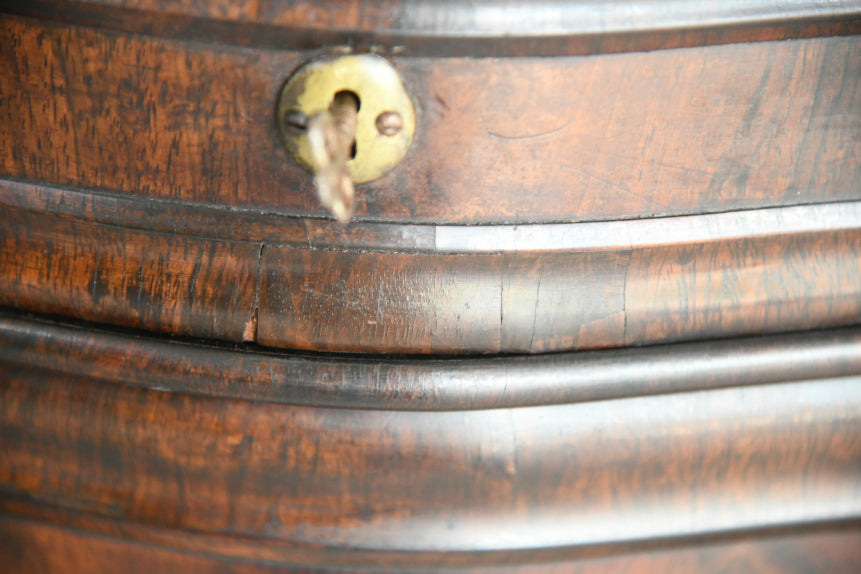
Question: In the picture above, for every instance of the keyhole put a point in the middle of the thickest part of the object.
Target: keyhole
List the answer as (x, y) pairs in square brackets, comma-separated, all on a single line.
[(351, 99)]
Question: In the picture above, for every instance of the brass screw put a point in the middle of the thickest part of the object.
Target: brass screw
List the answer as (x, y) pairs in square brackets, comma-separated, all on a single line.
[(389, 123), (296, 120)]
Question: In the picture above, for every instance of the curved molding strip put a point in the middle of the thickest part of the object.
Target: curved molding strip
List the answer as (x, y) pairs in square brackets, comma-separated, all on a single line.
[(165, 283), (213, 222), (486, 28), (560, 300), (641, 233), (728, 275), (59, 539), (439, 384), (310, 481)]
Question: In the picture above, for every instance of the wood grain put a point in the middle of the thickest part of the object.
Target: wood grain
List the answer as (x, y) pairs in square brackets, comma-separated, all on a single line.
[(429, 383), (744, 286), (723, 127), (358, 482), (607, 472), (627, 198), (272, 228), (483, 28), (397, 302), (392, 302), (198, 220), (517, 301), (164, 283), (28, 547), (538, 302)]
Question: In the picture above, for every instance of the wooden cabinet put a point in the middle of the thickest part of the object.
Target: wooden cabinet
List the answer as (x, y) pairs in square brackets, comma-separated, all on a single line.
[(603, 316)]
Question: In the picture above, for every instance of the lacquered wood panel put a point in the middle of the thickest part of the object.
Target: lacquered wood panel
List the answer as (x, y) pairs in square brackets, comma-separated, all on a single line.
[(502, 140), (30, 547), (538, 302), (210, 221), (363, 481), (475, 29), (450, 383), (627, 293), (165, 283)]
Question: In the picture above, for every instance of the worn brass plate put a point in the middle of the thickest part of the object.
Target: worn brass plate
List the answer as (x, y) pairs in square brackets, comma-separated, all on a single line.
[(379, 89)]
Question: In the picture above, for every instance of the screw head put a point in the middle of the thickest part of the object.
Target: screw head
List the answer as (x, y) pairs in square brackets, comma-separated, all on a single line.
[(296, 120), (389, 123)]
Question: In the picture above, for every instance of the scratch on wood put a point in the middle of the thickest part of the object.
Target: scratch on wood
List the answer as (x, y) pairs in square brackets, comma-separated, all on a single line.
[(529, 136), (249, 333), (535, 314), (625, 299)]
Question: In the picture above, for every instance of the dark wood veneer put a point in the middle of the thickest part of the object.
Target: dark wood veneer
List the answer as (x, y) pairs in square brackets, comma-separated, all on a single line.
[(41, 547), (429, 383), (201, 372), (509, 140), (272, 228), (528, 302), (165, 283), (338, 486), (392, 301), (479, 28)]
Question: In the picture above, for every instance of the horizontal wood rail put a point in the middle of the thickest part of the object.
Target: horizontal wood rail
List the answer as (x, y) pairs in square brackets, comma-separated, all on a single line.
[(272, 228), (422, 383), (306, 485), (429, 289), (486, 28)]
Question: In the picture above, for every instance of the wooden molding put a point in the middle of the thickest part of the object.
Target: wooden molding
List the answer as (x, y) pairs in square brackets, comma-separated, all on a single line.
[(429, 383), (486, 28), (428, 289), (309, 482), (169, 284), (98, 545)]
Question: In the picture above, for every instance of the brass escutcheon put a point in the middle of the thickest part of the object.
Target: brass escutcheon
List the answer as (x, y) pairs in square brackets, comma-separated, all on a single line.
[(386, 118)]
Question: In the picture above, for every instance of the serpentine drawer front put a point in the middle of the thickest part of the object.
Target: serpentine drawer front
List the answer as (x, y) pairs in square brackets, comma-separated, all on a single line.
[(493, 286)]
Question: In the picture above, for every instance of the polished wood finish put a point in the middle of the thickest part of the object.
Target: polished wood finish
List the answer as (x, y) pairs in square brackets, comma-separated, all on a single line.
[(724, 127), (331, 486), (38, 547), (202, 220), (479, 28), (271, 228), (200, 371), (391, 383), (181, 285), (527, 302), (627, 293)]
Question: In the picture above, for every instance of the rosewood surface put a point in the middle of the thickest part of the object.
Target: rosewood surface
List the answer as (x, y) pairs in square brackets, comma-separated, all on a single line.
[(506, 140), (431, 383), (625, 293), (40, 547), (173, 284), (322, 485), (199, 371), (482, 28)]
